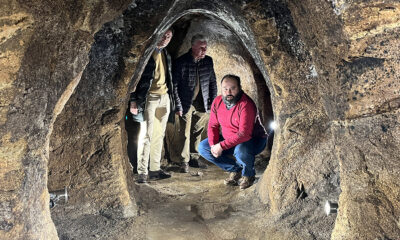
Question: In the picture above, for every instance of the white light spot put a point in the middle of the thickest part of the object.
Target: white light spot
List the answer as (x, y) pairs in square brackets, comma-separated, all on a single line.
[(327, 208), (272, 125)]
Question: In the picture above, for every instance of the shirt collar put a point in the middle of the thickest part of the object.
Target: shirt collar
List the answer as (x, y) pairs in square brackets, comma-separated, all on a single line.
[(158, 50)]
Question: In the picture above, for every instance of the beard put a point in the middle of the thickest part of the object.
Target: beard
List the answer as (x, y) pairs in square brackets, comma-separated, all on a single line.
[(231, 100)]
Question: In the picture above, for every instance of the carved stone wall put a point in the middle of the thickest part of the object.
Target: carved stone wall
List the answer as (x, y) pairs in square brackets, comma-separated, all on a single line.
[(332, 68)]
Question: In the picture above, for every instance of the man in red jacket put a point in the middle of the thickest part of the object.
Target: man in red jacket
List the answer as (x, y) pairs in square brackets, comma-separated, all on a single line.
[(243, 135)]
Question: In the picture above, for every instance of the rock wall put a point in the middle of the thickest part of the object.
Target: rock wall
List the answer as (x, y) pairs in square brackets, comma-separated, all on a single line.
[(303, 170), (368, 138), (362, 99), (88, 144), (346, 114), (332, 68), (44, 47)]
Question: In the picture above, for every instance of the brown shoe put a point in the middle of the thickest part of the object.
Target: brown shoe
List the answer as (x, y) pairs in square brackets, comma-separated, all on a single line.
[(246, 182), (233, 178)]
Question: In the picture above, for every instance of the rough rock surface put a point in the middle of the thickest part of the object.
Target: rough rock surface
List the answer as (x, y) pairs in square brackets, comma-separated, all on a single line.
[(44, 46), (332, 68)]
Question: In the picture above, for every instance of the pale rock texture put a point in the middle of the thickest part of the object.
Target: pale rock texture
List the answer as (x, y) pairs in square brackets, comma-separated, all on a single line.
[(43, 46)]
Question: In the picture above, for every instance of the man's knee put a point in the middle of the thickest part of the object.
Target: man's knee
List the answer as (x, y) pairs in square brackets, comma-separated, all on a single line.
[(242, 149), (204, 146)]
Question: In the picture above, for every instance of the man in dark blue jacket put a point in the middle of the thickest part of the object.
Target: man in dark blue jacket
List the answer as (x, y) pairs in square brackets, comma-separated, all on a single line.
[(195, 83), (150, 104)]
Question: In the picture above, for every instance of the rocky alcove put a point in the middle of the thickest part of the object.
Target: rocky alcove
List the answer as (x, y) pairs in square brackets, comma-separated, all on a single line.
[(331, 69)]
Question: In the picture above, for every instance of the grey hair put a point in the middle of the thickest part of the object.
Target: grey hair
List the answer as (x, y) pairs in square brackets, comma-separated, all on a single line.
[(198, 37)]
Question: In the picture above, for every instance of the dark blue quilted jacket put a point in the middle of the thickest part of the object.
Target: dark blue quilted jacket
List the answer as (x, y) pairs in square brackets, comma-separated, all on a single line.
[(184, 78)]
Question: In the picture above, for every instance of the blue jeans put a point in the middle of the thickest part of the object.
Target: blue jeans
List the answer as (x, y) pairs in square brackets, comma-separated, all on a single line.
[(244, 153)]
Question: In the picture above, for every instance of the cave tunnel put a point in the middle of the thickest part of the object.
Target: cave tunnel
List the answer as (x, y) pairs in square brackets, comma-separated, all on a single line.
[(230, 57), (74, 170), (326, 71)]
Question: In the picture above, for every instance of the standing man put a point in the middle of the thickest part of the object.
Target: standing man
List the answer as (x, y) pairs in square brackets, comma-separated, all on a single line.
[(243, 135), (196, 86), (150, 105)]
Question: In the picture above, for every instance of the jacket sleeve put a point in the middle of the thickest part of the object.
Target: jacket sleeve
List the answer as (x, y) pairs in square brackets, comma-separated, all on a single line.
[(139, 95), (213, 125), (247, 117), (177, 79), (213, 85)]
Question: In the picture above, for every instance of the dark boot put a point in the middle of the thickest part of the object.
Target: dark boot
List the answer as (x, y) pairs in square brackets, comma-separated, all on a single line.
[(142, 178), (197, 163), (246, 182), (233, 179), (184, 167), (202, 163), (158, 175)]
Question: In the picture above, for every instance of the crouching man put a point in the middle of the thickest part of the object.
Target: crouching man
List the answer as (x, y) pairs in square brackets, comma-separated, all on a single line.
[(243, 135)]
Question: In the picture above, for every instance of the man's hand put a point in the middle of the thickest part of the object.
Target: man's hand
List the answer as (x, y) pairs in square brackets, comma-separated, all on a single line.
[(216, 150), (179, 113), (133, 108)]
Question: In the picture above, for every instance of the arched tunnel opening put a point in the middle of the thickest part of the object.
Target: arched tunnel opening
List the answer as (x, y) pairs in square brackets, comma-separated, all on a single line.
[(73, 170), (230, 57)]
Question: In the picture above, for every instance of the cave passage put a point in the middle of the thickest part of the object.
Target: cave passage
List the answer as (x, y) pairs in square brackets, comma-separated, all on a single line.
[(96, 168), (230, 57), (68, 67)]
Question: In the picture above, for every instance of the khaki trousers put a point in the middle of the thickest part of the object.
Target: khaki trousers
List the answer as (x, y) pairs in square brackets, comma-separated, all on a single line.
[(192, 124), (152, 131)]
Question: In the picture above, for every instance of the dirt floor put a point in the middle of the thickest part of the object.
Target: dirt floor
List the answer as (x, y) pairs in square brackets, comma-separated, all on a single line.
[(197, 205), (186, 206)]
